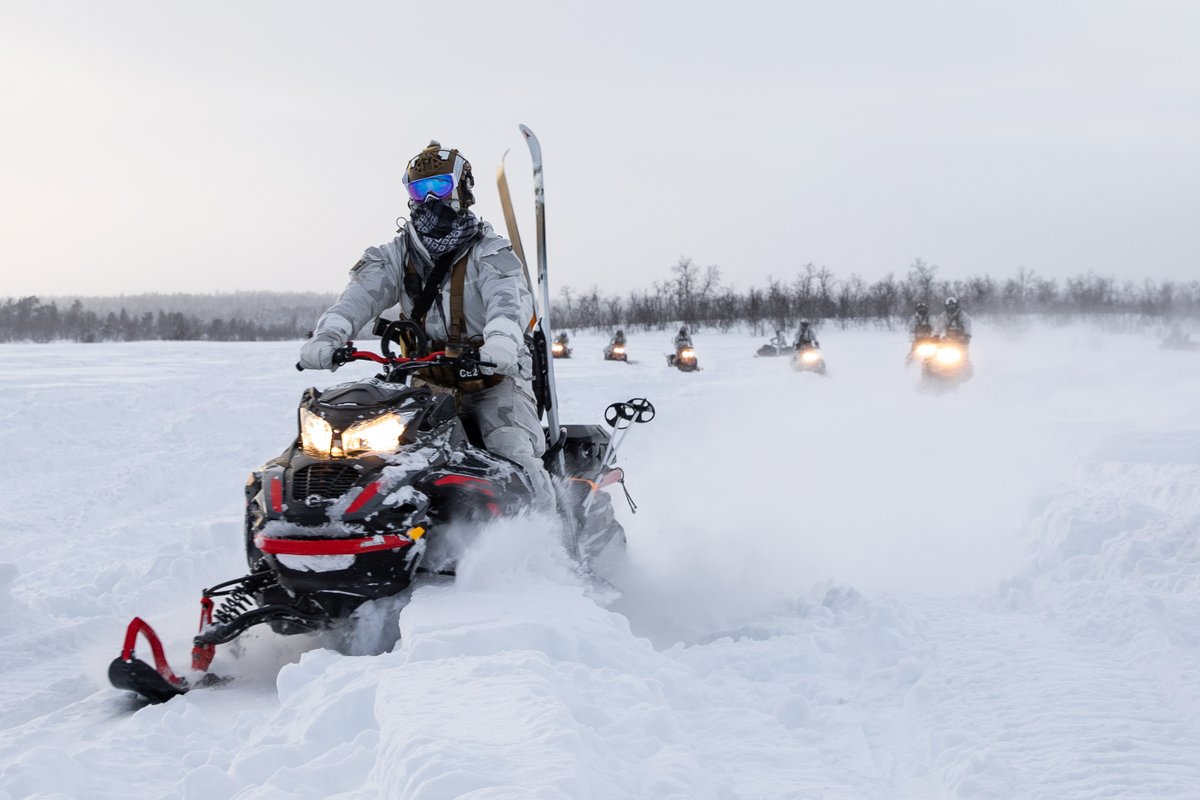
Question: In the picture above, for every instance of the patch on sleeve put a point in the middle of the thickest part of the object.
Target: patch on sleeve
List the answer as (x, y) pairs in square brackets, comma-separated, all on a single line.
[(362, 262)]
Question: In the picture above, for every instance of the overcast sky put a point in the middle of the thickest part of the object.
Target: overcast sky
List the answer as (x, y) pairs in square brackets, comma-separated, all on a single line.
[(220, 146)]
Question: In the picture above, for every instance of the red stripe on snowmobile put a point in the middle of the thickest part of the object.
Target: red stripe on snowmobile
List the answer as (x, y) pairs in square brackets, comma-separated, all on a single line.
[(139, 625), (468, 480), (202, 654), (277, 495), (369, 491), (331, 547)]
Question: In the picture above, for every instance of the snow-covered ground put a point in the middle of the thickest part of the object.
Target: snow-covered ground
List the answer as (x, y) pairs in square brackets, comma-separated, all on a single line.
[(836, 587)]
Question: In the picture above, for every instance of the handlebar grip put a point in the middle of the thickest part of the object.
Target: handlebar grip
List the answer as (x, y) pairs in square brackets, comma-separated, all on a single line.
[(299, 367)]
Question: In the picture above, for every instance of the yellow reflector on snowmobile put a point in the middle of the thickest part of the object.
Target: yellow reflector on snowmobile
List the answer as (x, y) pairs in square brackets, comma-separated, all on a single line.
[(416, 533)]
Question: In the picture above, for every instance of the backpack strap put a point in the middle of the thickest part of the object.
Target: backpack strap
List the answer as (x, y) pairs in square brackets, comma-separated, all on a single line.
[(457, 333)]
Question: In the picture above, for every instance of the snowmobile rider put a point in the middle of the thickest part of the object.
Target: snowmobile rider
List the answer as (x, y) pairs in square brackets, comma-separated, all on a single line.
[(806, 337), (780, 340), (475, 294), (618, 338), (562, 339), (955, 324), (920, 327), (682, 339)]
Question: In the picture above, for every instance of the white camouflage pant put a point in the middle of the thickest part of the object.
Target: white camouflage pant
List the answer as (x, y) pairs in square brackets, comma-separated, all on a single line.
[(508, 421)]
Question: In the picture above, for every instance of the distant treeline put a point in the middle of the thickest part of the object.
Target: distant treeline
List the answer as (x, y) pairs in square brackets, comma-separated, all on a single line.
[(695, 295), (242, 316), (698, 297)]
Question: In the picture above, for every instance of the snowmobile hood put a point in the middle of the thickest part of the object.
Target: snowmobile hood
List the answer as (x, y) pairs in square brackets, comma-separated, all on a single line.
[(367, 393)]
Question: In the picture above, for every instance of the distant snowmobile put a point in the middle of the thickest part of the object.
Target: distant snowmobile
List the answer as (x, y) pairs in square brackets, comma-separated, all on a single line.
[(808, 359), (560, 349), (950, 365), (683, 359), (1176, 339), (770, 350), (616, 352), (776, 347), (922, 350)]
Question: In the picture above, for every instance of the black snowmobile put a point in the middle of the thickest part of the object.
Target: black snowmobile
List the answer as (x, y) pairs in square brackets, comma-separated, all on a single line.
[(616, 351), (776, 347), (370, 496), (560, 348), (376, 490), (683, 359)]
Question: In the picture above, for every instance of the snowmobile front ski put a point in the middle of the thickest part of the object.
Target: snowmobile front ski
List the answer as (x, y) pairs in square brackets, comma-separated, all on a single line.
[(157, 684)]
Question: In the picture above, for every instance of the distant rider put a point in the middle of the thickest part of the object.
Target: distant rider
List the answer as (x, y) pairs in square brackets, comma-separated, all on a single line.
[(562, 339), (955, 324), (682, 339), (920, 326), (481, 300), (780, 340), (806, 337), (618, 338)]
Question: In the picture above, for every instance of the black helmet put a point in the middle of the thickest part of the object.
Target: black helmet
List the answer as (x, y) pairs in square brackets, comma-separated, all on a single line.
[(922, 308), (952, 304), (452, 171), (620, 332), (804, 323), (683, 330)]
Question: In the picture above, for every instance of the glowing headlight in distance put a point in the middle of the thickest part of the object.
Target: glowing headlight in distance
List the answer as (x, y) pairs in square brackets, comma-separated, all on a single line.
[(378, 435), (619, 350), (949, 355), (316, 435), (810, 356), (926, 349), (687, 354)]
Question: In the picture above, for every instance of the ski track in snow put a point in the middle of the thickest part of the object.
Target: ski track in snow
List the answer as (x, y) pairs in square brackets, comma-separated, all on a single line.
[(837, 587)]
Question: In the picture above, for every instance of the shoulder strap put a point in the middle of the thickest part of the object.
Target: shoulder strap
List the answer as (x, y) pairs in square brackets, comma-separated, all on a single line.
[(429, 291), (458, 282)]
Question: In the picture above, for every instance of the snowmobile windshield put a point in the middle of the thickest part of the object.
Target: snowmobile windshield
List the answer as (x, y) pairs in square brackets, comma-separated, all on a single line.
[(440, 186)]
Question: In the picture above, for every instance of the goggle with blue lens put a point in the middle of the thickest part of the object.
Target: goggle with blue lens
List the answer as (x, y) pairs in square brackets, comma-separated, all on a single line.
[(440, 186)]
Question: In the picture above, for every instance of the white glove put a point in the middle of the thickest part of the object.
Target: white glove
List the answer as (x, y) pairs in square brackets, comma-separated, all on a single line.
[(317, 352), (501, 351)]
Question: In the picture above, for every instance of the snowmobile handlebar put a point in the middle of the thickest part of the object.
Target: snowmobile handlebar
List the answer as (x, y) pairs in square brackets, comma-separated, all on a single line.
[(347, 353)]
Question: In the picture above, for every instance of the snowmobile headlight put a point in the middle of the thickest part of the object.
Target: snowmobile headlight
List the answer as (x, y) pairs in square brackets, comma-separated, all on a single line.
[(557, 347), (687, 354), (619, 350), (379, 435), (810, 356), (949, 355), (316, 435), (926, 349)]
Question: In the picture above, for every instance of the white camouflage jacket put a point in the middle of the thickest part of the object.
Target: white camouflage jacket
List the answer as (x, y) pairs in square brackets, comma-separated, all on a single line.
[(496, 296)]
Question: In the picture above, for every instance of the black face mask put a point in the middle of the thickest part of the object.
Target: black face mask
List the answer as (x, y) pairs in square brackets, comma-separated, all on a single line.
[(434, 219)]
